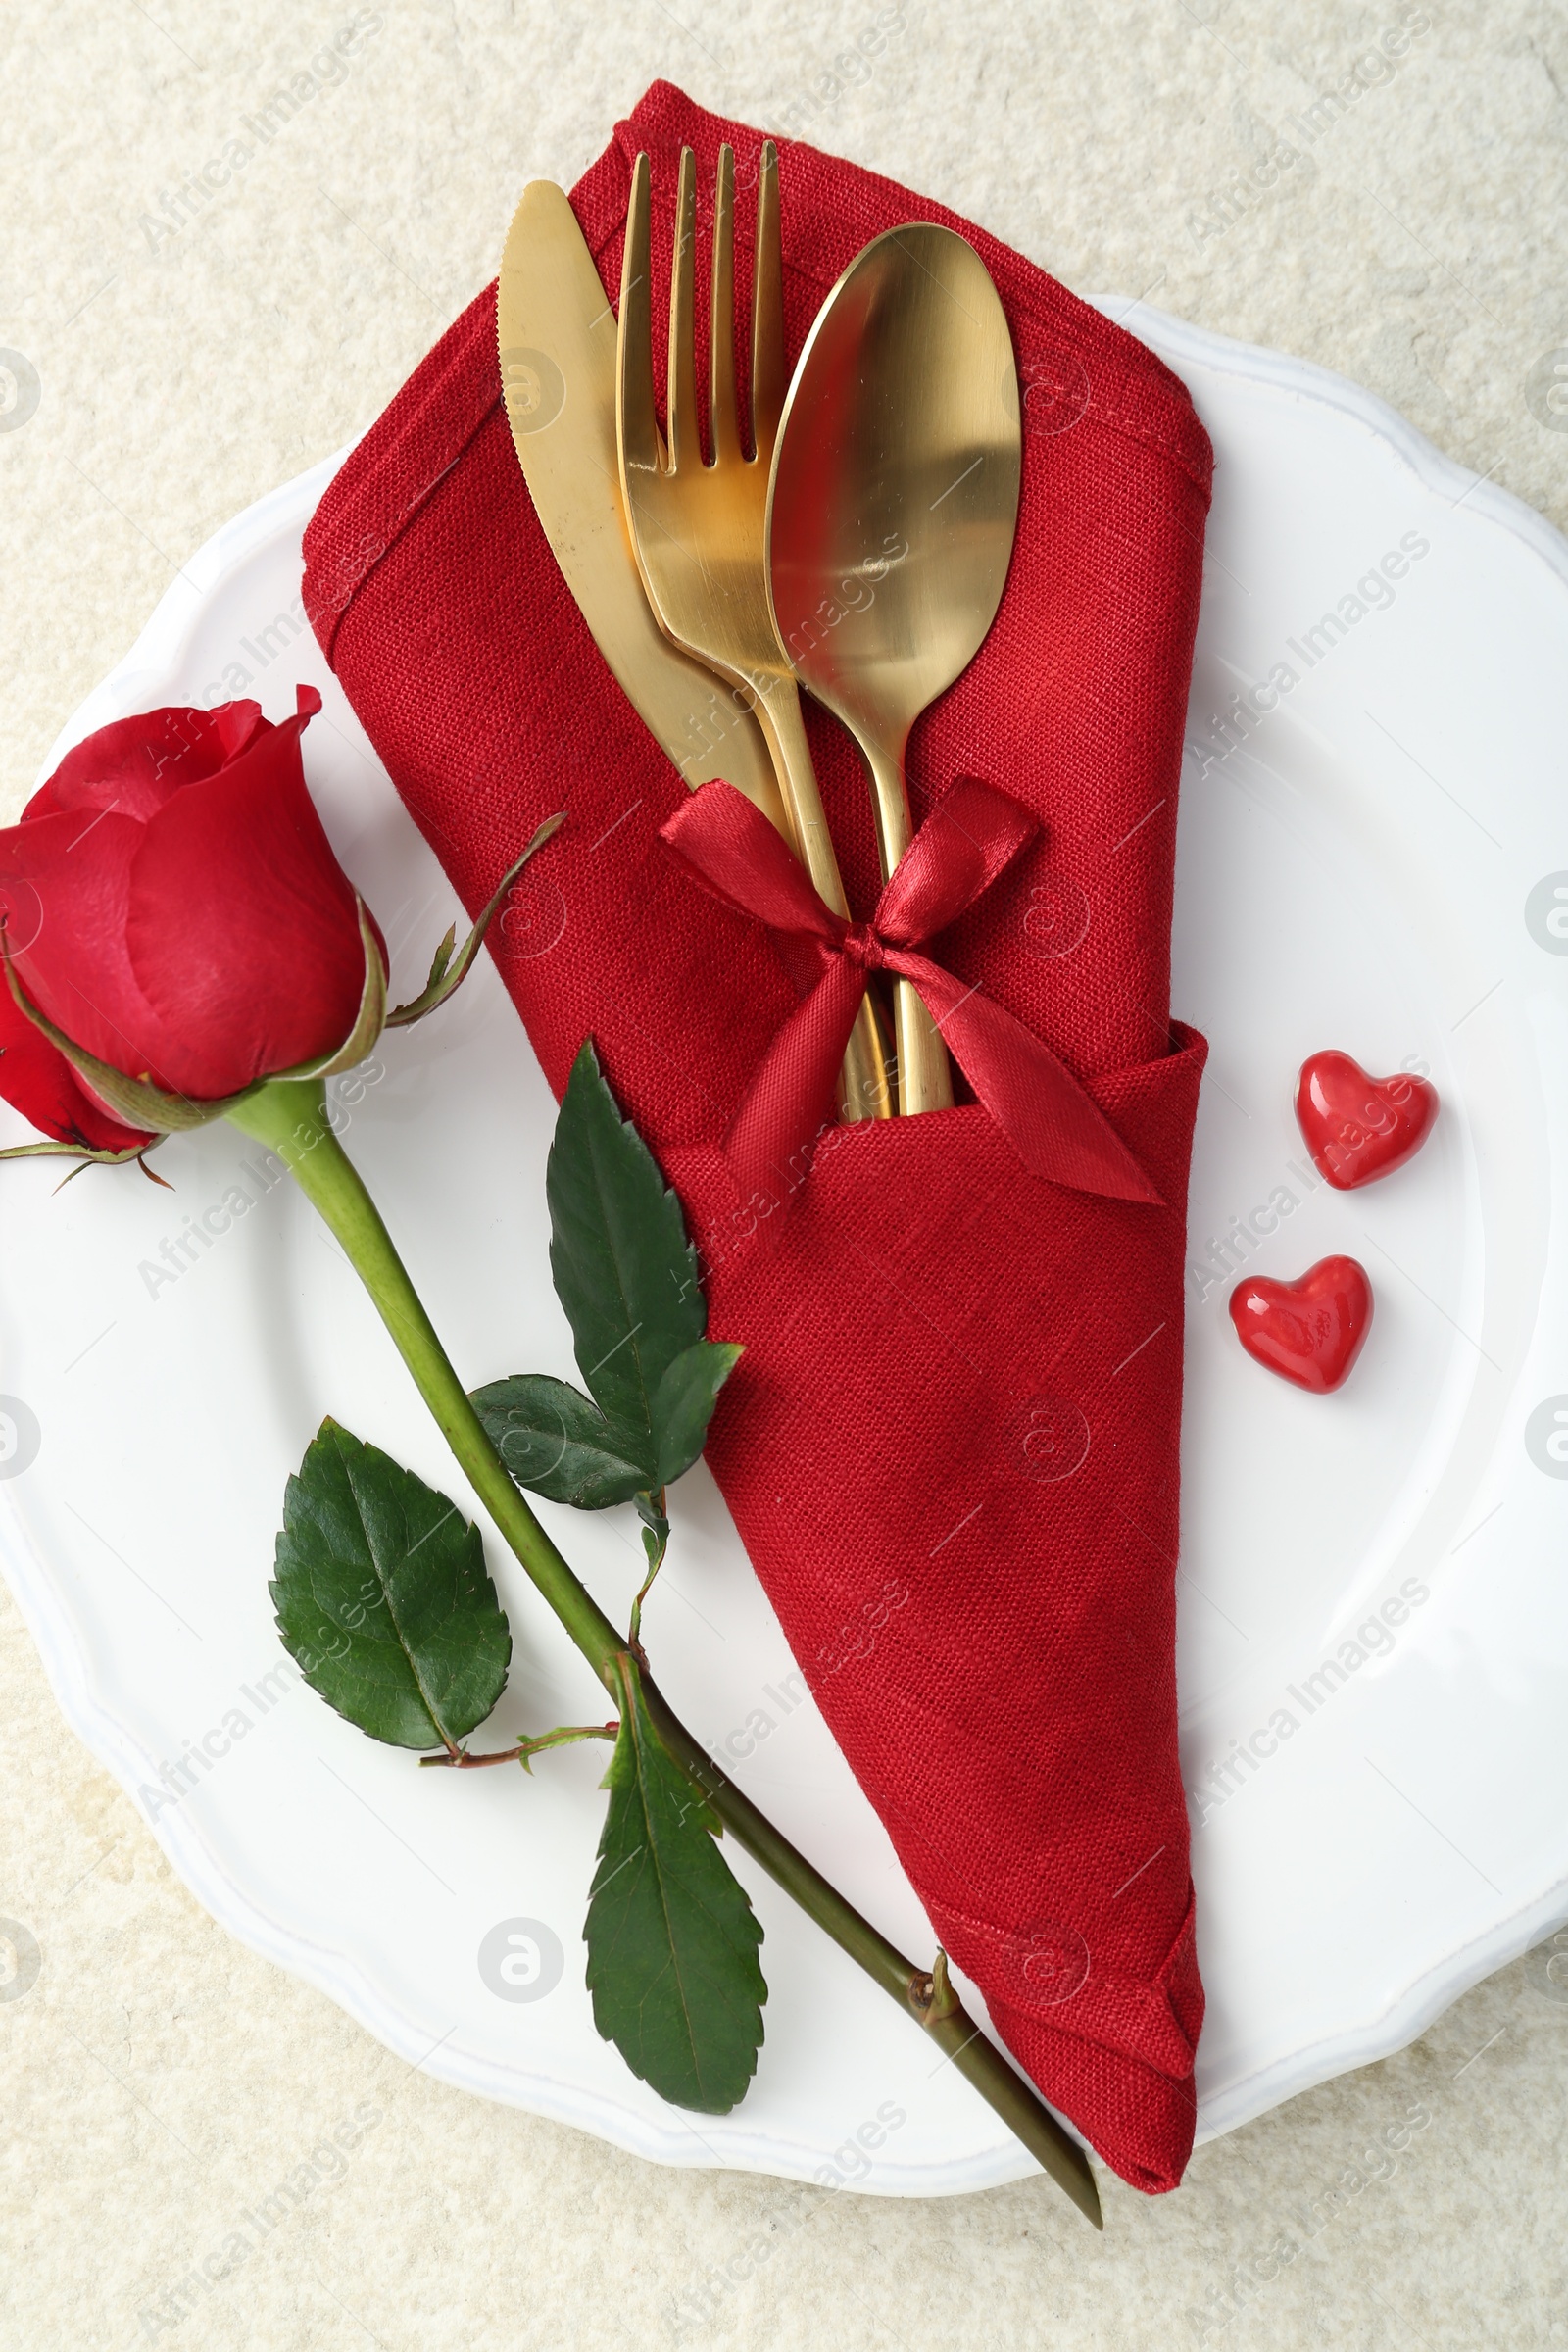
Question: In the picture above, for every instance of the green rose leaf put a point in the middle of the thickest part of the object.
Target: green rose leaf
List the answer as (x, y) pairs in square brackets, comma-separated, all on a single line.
[(684, 1401), (671, 1936), (383, 1598), (623, 1269), (556, 1441)]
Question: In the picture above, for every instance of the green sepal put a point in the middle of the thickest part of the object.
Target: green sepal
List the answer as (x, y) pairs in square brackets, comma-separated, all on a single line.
[(448, 972), (86, 1153)]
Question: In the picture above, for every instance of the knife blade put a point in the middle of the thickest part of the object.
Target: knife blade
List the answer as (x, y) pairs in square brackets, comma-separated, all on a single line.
[(556, 334)]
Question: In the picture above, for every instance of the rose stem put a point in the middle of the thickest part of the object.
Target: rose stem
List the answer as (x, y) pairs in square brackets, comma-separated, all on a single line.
[(289, 1116), (462, 1759)]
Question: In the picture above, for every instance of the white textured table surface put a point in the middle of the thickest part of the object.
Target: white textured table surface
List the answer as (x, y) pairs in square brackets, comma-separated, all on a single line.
[(176, 358)]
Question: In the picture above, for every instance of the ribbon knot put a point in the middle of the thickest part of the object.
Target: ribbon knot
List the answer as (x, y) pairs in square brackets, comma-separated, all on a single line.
[(863, 947), (971, 835)]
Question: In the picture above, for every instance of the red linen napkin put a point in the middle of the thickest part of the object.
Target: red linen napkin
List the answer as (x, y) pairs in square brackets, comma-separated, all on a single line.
[(950, 1446)]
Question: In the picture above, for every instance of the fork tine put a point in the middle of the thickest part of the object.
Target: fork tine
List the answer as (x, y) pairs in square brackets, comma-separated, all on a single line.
[(767, 311), (724, 429), (681, 428), (634, 356)]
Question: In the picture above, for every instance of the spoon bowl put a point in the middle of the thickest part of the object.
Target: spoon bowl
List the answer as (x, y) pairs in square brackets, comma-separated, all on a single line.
[(893, 505)]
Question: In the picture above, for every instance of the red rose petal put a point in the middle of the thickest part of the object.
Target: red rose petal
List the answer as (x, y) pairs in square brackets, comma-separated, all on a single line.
[(68, 878), (135, 765), (242, 928)]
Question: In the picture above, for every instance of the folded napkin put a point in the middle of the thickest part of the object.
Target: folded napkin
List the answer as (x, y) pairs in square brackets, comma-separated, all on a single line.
[(951, 1445)]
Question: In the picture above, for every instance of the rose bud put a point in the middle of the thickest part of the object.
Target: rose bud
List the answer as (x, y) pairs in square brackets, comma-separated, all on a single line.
[(177, 930), (175, 917)]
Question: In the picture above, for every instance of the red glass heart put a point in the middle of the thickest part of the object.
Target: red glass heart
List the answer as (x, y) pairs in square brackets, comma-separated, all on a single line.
[(1359, 1128), (1309, 1330)]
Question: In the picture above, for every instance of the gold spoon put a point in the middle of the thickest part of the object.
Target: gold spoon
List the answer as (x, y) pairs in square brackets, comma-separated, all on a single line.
[(891, 513)]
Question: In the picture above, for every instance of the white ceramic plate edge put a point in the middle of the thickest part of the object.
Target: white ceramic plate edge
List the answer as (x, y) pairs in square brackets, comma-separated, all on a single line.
[(1178, 338), (1425, 1996), (155, 649), (331, 1973)]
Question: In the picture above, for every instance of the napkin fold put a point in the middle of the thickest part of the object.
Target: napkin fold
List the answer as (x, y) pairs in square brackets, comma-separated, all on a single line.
[(951, 1448)]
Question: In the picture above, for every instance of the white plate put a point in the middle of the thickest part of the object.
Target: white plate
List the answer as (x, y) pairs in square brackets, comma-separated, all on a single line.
[(1373, 866)]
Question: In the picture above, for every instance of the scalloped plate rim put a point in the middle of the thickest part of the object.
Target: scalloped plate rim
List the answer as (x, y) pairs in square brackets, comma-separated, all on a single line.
[(1404, 2018)]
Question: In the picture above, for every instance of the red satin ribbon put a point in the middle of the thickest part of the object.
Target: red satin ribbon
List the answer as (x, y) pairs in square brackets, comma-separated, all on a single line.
[(974, 832)]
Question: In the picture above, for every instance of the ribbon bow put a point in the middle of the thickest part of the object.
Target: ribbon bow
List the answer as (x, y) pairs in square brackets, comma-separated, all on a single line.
[(970, 836)]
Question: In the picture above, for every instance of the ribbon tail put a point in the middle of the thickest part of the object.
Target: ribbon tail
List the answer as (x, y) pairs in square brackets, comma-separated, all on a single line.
[(793, 1096), (1054, 1125)]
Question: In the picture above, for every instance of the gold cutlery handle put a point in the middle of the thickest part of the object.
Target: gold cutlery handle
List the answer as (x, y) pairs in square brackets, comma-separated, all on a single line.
[(925, 1075), (863, 1089)]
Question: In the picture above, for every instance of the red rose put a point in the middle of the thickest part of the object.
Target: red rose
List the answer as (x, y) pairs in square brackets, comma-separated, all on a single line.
[(174, 907)]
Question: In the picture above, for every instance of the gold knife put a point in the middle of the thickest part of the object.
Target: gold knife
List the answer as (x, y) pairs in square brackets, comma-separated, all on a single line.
[(557, 335)]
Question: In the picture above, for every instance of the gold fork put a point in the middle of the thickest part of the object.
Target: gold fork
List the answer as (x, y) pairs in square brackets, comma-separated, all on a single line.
[(699, 530)]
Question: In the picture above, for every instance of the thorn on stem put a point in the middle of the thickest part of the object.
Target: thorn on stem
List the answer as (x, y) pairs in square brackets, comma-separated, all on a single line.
[(932, 1997)]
